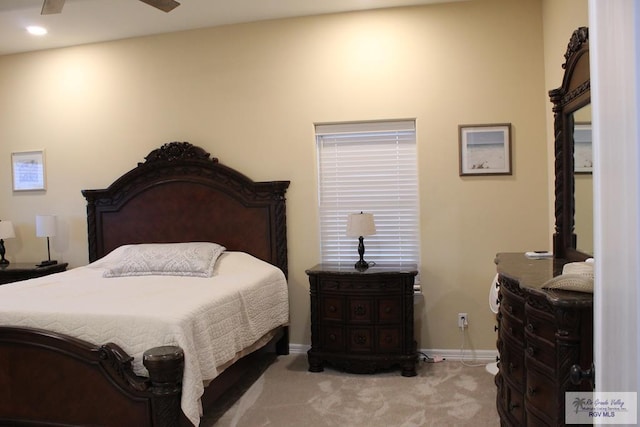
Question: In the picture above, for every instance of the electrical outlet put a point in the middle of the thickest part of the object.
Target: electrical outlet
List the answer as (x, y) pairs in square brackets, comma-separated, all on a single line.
[(463, 320)]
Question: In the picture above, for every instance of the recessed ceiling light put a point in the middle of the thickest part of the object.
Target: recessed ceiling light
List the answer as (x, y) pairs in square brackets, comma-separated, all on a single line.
[(36, 31)]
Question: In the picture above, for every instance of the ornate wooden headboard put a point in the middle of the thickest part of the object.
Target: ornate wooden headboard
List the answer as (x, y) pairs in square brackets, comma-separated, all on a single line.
[(180, 194)]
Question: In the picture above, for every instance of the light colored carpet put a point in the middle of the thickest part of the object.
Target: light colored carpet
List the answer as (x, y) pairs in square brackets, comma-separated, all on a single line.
[(287, 395)]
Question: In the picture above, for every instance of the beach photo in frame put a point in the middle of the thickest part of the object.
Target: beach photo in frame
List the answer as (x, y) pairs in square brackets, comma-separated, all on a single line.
[(28, 171), (485, 149), (582, 148)]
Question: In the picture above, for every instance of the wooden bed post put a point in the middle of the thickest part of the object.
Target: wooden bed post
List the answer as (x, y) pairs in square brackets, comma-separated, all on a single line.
[(165, 365)]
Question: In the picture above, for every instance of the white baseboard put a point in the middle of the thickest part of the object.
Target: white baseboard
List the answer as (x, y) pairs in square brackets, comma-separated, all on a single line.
[(484, 356)]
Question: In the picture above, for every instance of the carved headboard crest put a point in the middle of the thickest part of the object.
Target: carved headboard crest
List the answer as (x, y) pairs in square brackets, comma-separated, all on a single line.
[(172, 151)]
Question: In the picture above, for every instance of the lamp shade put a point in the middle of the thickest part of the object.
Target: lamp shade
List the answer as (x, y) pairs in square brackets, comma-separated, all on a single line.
[(45, 225), (6, 230), (360, 224)]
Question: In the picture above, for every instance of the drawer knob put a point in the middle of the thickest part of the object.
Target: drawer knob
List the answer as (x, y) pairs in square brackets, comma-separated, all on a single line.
[(497, 358), (359, 309), (332, 337), (577, 375), (495, 328), (513, 406), (510, 308), (531, 351), (360, 339), (530, 327), (531, 390), (332, 308), (387, 309)]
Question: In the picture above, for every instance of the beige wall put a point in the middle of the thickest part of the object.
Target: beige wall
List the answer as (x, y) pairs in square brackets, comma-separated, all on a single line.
[(250, 95)]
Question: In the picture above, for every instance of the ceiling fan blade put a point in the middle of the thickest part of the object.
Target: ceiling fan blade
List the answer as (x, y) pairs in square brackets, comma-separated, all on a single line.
[(49, 7), (164, 5)]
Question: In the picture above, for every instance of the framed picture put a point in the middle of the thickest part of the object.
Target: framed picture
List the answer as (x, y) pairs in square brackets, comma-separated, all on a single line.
[(582, 150), (485, 149), (28, 170)]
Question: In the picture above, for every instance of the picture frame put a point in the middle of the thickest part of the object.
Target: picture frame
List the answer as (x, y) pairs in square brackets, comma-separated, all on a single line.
[(28, 170), (582, 148), (485, 149)]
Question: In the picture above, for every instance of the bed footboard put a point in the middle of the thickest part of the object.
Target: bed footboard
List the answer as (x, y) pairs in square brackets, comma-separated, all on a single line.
[(53, 379)]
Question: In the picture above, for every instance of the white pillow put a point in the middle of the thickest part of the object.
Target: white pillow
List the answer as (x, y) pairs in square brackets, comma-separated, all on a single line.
[(195, 259)]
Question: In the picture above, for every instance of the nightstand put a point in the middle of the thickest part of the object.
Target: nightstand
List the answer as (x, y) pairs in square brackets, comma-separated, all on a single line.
[(15, 272), (362, 321)]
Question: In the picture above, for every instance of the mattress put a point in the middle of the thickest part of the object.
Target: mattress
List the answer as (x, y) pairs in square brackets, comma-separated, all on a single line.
[(212, 319)]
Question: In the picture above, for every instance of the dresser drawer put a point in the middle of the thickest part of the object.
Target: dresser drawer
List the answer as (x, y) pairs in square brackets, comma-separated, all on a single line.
[(540, 354), (540, 324), (512, 327), (515, 406), (512, 363), (511, 304), (541, 397)]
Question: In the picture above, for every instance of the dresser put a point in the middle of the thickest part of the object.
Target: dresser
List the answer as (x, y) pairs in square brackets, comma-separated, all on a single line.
[(541, 335), (16, 272), (362, 321)]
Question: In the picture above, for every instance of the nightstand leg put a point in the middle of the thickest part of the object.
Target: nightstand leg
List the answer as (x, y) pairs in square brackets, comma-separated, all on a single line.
[(315, 363)]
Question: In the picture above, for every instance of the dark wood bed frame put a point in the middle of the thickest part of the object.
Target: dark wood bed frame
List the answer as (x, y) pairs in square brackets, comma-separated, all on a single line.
[(178, 194)]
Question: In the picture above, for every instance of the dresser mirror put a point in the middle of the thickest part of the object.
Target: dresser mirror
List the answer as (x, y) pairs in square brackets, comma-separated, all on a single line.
[(573, 235)]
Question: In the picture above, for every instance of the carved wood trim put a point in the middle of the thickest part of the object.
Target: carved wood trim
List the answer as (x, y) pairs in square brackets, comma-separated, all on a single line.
[(566, 98)]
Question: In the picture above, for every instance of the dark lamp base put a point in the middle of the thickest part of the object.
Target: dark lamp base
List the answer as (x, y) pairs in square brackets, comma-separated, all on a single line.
[(46, 263), (361, 265)]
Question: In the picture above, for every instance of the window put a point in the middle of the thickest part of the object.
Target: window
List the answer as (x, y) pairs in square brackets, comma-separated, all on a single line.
[(369, 167)]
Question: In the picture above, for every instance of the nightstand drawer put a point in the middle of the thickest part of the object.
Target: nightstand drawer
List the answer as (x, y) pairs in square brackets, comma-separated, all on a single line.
[(360, 339), (360, 310), (389, 340), (332, 338), (390, 310), (332, 308), (348, 285)]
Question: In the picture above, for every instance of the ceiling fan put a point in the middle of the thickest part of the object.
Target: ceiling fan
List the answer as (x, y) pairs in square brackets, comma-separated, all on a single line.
[(50, 7)]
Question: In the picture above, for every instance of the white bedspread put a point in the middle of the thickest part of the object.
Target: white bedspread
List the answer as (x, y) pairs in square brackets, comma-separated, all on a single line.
[(211, 319)]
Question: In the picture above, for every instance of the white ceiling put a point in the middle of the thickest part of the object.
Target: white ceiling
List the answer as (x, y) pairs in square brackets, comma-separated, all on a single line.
[(88, 21)]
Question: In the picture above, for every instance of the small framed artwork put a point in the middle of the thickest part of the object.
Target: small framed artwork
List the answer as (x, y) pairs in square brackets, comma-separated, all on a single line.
[(485, 149), (28, 170), (582, 148)]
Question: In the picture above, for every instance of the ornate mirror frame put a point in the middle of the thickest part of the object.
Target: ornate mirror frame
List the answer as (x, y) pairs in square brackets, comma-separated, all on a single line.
[(574, 94)]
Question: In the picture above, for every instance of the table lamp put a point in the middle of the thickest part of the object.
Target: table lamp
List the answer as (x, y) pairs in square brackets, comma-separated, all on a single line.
[(46, 227), (6, 232), (360, 225)]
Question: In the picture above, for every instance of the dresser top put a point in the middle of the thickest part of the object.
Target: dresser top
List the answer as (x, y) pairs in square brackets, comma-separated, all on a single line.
[(348, 268), (532, 273)]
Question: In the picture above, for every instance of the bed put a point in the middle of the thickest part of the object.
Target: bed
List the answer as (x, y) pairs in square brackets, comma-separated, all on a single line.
[(178, 195)]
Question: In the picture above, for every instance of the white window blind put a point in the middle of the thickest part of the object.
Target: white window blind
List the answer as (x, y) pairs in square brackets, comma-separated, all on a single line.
[(369, 167)]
